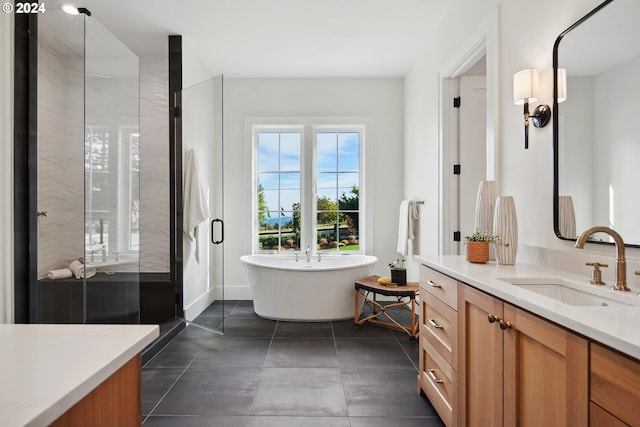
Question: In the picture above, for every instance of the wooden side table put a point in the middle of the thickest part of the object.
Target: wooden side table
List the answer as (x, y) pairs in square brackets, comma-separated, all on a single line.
[(368, 288)]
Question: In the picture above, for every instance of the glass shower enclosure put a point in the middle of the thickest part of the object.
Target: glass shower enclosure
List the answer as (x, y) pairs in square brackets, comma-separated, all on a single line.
[(88, 174), (201, 131)]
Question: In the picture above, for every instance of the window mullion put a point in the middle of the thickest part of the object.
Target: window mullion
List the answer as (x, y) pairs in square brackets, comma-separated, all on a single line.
[(308, 189)]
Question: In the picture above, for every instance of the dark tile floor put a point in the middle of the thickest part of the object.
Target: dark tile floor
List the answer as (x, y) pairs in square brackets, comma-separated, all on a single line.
[(268, 373)]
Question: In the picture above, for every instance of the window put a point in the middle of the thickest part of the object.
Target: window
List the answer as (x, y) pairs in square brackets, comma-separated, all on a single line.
[(112, 180), (278, 191), (337, 190), (307, 187)]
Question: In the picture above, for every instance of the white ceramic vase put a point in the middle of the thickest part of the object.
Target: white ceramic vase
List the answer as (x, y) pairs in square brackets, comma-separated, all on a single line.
[(566, 217), (505, 224), (485, 205)]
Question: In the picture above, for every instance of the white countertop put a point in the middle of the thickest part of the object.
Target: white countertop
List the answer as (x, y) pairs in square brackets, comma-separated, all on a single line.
[(617, 327), (46, 369)]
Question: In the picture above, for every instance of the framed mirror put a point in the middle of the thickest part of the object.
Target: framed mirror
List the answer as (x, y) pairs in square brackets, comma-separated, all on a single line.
[(596, 142)]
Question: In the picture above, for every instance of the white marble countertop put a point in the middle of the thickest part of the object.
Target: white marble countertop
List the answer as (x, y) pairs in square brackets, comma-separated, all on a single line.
[(46, 369), (615, 326)]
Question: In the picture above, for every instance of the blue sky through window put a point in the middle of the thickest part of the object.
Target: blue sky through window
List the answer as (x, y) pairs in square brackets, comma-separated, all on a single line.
[(279, 169), (338, 162)]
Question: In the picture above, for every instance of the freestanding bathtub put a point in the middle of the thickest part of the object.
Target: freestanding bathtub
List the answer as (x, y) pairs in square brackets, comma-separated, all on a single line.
[(308, 291)]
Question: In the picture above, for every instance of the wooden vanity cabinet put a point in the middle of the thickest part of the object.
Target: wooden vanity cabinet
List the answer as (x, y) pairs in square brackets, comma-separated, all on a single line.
[(438, 377), (481, 367), (615, 388), (516, 369)]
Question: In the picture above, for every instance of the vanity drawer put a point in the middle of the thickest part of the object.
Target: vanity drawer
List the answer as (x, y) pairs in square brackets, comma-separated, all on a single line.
[(439, 383), (614, 383), (439, 325), (437, 284)]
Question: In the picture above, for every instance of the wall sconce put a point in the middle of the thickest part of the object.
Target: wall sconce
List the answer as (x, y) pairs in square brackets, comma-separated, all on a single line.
[(561, 75), (525, 90)]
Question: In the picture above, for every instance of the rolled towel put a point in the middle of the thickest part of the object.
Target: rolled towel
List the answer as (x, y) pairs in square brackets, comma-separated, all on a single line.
[(81, 270), (62, 273)]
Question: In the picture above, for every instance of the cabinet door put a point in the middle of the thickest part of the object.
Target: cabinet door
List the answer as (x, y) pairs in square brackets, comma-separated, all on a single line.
[(614, 383), (480, 359), (598, 417), (545, 373)]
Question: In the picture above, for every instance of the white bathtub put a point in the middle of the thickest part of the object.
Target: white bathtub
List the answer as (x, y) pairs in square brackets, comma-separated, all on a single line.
[(308, 291)]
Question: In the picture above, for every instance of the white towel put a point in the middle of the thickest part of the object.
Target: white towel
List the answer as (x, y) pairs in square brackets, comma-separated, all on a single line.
[(81, 270), (62, 273), (408, 213), (196, 209)]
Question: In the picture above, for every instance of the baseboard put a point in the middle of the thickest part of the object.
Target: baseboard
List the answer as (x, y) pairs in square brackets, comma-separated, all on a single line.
[(236, 293), (198, 306)]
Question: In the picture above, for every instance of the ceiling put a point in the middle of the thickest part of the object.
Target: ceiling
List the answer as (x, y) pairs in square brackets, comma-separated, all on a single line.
[(278, 38)]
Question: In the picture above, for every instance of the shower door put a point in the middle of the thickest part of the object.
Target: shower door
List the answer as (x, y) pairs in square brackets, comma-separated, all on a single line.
[(111, 177), (201, 110), (87, 171)]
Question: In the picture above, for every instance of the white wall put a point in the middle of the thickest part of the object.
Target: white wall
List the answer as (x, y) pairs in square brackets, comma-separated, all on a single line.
[(577, 150), (6, 167), (526, 37), (617, 149), (380, 100), (193, 70)]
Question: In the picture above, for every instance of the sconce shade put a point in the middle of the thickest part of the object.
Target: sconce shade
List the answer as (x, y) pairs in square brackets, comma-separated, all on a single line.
[(525, 86), (562, 85), (71, 10)]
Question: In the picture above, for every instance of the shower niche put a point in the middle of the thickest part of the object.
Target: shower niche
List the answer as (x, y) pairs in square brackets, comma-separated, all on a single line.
[(88, 174)]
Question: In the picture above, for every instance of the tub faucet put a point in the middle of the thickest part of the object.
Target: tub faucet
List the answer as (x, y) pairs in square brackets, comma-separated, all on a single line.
[(621, 263), (307, 252)]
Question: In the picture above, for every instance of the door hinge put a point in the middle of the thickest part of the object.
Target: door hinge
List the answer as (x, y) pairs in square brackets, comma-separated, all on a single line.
[(456, 102), (456, 236), (178, 299), (456, 169), (176, 112)]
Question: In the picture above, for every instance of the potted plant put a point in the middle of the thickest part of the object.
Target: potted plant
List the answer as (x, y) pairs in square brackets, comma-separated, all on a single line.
[(478, 246), (398, 272)]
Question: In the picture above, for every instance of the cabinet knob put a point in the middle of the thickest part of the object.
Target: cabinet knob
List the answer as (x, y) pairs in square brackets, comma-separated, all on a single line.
[(432, 374), (434, 323), (504, 325), (492, 318)]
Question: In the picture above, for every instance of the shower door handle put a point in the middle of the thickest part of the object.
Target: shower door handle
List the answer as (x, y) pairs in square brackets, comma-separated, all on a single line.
[(217, 242)]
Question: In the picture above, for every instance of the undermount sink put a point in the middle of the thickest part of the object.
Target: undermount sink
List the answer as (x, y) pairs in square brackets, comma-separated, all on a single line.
[(576, 293)]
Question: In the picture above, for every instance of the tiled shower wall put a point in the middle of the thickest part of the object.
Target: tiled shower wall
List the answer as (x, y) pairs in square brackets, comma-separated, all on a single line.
[(61, 165), (60, 159), (154, 169)]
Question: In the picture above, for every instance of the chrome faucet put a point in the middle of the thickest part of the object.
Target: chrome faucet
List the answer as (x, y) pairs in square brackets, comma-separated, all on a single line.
[(307, 252), (621, 263)]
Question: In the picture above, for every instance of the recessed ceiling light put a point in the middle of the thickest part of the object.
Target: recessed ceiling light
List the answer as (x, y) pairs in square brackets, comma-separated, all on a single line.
[(71, 10)]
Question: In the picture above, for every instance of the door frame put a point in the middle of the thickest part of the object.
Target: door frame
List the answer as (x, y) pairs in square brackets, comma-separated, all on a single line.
[(483, 42)]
